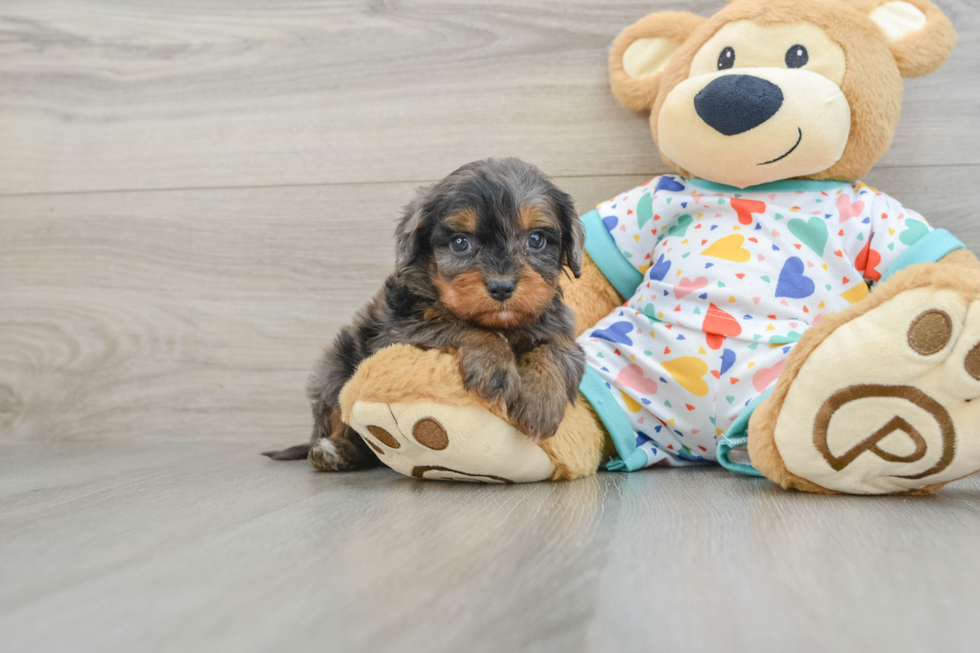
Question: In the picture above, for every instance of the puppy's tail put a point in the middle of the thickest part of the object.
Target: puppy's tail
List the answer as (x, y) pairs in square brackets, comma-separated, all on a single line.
[(298, 452)]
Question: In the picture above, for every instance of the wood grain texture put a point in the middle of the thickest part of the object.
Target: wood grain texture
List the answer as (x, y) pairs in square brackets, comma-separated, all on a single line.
[(128, 94), (145, 325), (192, 315), (196, 315), (156, 547)]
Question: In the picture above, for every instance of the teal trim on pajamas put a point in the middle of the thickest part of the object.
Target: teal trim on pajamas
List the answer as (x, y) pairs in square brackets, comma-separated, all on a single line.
[(738, 436), (603, 250), (611, 415), (931, 248), (784, 186)]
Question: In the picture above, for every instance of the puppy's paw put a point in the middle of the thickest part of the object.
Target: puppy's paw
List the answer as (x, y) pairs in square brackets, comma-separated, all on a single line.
[(538, 414), (324, 456), (495, 380), (335, 456)]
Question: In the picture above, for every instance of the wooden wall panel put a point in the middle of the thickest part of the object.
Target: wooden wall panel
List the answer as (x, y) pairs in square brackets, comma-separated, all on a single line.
[(196, 315)]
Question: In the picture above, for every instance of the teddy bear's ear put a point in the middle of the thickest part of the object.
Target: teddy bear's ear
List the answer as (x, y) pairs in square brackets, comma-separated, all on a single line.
[(641, 52), (918, 33)]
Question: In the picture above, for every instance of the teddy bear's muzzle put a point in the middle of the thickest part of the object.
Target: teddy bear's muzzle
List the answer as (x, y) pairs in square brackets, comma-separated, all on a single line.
[(754, 126)]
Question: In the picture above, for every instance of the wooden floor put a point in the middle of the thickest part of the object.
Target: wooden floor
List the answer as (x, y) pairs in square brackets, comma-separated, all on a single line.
[(209, 547), (195, 194)]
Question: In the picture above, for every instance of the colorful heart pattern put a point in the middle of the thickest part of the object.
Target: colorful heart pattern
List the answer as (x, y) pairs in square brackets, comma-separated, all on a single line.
[(688, 372), (847, 209), (616, 333), (718, 325), (687, 286), (812, 233), (729, 282), (659, 269), (792, 282), (729, 248), (632, 377)]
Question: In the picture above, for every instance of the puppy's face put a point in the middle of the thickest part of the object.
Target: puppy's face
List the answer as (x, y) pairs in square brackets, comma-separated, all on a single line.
[(497, 269), (493, 238)]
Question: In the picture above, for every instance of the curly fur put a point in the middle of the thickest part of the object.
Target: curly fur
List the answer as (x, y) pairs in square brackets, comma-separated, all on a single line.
[(456, 239)]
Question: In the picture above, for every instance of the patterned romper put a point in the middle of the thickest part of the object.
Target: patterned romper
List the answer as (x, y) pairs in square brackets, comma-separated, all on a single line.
[(721, 282)]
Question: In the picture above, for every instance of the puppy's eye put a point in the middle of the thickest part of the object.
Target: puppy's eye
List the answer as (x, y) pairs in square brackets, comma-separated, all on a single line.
[(460, 244), (536, 240), (726, 59), (797, 56)]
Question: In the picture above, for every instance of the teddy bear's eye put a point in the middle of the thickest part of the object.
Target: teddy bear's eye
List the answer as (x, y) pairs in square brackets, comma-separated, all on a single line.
[(796, 56), (726, 59)]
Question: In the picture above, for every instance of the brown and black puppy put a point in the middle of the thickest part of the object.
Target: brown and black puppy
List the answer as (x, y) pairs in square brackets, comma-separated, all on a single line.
[(477, 264)]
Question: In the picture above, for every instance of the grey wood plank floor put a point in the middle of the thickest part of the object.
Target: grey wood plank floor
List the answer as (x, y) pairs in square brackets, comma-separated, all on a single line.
[(195, 194), (208, 547)]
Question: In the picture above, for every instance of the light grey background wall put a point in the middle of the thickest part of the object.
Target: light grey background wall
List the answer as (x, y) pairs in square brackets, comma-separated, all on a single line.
[(195, 194)]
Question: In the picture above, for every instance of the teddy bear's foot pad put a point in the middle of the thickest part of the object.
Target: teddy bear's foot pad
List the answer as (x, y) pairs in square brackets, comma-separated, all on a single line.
[(883, 403), (432, 441)]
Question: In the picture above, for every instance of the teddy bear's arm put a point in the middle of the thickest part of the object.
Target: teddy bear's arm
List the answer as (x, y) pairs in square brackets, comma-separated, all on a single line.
[(591, 296)]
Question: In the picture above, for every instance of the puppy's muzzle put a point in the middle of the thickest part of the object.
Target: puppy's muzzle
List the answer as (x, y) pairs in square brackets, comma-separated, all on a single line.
[(501, 289)]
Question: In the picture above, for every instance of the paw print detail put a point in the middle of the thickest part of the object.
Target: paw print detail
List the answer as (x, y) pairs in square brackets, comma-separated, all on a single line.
[(431, 441), (896, 425), (889, 409), (429, 433), (930, 332)]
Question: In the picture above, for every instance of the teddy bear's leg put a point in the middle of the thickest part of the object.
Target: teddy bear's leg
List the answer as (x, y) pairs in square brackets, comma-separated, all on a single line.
[(878, 398), (412, 410)]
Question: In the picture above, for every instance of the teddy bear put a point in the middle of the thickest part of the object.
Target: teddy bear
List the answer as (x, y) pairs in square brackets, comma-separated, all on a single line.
[(760, 308)]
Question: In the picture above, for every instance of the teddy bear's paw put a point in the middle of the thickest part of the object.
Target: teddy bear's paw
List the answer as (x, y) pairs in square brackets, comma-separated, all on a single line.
[(884, 403), (432, 441)]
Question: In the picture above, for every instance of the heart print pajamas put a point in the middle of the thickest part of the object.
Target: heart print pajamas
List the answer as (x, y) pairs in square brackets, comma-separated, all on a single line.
[(720, 283)]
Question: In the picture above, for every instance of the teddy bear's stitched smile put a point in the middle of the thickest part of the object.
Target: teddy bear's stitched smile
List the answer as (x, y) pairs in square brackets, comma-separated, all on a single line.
[(790, 151)]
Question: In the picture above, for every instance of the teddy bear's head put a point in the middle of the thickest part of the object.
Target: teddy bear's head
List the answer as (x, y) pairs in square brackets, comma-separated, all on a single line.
[(777, 89)]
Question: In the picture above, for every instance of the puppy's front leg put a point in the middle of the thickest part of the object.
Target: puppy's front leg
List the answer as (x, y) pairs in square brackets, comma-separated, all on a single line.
[(488, 366), (550, 375)]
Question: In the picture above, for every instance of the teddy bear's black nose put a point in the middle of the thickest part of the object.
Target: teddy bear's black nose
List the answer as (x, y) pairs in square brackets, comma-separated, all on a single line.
[(733, 104)]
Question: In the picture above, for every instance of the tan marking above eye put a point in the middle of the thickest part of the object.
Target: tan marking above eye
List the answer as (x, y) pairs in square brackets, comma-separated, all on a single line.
[(386, 438), (429, 433), (464, 220), (532, 217), (972, 362), (930, 332)]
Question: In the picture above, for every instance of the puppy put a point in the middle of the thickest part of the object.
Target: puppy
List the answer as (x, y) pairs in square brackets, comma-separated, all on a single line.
[(478, 259)]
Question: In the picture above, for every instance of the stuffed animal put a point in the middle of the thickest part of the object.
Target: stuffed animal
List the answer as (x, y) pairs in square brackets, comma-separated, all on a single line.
[(761, 308)]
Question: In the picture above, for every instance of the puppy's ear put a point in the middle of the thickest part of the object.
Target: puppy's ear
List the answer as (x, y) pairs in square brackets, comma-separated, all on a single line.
[(918, 33), (572, 234), (409, 234), (642, 51)]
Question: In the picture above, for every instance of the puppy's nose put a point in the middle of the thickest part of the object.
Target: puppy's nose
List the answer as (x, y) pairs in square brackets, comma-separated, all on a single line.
[(501, 289), (736, 103)]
